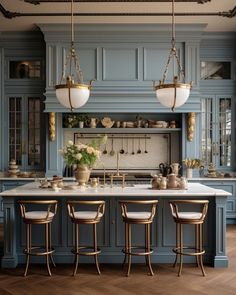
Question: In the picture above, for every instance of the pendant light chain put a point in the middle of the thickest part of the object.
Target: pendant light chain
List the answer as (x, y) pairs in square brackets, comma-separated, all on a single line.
[(72, 58), (173, 51)]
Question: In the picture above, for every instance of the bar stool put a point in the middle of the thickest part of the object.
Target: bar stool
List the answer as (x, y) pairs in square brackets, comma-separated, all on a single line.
[(143, 217), (86, 217), (38, 217), (195, 218)]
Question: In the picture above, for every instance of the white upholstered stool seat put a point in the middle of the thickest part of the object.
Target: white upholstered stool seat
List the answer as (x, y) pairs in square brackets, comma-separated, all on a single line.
[(38, 215), (188, 215), (86, 215), (138, 215)]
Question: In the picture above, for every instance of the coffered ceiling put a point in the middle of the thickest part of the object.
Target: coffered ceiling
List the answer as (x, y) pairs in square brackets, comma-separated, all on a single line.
[(219, 15)]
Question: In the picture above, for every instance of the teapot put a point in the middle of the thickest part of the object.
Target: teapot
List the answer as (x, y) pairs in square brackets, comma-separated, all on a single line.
[(175, 167), (92, 122), (172, 181), (165, 169)]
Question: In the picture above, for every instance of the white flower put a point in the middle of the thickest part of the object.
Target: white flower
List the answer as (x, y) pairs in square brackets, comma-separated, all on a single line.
[(70, 142), (81, 146), (78, 156), (97, 153), (90, 150)]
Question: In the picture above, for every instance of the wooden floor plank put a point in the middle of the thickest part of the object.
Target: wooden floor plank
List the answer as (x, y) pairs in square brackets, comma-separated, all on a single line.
[(114, 282)]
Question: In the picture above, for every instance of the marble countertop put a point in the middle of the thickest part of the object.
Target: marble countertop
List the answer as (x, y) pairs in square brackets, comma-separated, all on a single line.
[(194, 190)]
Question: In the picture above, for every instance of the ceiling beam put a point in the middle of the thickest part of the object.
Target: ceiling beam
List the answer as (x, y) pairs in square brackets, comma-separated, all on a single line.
[(12, 14)]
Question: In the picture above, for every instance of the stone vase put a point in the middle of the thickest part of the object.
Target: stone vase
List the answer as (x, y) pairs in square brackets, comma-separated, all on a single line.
[(82, 174)]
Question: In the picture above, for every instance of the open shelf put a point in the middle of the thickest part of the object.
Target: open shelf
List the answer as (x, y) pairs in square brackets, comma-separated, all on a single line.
[(123, 130)]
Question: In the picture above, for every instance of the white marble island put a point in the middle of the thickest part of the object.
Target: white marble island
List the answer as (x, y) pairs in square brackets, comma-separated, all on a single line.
[(110, 231)]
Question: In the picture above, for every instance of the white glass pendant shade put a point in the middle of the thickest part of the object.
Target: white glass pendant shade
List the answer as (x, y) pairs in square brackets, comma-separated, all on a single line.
[(169, 98), (74, 96)]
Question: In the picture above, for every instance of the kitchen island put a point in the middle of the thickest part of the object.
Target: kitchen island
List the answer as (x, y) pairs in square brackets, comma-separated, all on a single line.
[(111, 229)]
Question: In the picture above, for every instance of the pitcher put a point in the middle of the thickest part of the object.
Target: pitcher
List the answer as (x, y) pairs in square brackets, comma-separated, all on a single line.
[(175, 168), (172, 181), (93, 122)]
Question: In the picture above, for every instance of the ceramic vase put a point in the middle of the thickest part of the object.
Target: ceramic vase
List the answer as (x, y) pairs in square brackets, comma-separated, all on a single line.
[(82, 174), (189, 173)]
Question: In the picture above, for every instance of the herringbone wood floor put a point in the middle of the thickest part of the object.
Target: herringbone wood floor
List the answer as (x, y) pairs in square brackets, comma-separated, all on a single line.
[(112, 281)]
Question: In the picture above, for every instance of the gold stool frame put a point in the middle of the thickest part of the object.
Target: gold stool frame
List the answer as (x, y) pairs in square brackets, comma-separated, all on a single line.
[(179, 249), (128, 222), (94, 221), (29, 250)]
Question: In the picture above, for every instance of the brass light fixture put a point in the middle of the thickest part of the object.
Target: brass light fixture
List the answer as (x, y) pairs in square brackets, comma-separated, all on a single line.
[(174, 94), (72, 94)]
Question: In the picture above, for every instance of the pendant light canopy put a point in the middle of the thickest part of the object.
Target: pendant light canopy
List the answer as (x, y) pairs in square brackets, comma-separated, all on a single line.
[(174, 94), (72, 94)]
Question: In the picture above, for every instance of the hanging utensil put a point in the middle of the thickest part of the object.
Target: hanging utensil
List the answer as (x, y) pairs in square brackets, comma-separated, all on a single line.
[(145, 145), (127, 145), (105, 150), (133, 147), (139, 149), (112, 152), (122, 151)]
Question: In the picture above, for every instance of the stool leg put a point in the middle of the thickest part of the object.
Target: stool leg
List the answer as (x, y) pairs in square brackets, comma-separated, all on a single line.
[(148, 249), (47, 248), (28, 249), (200, 248), (50, 244), (181, 249), (146, 243), (177, 243), (95, 247), (129, 249), (76, 248), (197, 242), (126, 242)]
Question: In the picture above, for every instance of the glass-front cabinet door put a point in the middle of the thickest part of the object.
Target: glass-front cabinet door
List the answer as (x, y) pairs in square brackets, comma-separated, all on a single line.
[(216, 119), (26, 126)]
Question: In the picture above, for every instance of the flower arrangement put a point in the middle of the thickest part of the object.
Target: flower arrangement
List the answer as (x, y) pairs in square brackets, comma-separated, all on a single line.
[(82, 154), (192, 163)]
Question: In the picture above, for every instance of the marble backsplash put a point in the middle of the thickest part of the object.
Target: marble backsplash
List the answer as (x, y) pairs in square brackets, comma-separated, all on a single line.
[(159, 149)]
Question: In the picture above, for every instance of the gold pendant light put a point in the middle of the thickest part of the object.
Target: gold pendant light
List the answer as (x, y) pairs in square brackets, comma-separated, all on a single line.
[(72, 94), (174, 94)]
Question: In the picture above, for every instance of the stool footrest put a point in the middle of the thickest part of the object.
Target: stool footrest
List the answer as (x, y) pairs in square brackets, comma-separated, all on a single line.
[(84, 253), (136, 253), (34, 251), (196, 253)]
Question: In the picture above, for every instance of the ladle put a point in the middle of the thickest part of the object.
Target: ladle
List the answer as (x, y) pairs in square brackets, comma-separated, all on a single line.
[(105, 150), (122, 151), (145, 145), (133, 147), (112, 152), (139, 149)]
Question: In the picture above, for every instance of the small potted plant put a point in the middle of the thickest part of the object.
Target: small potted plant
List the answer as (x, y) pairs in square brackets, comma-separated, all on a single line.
[(81, 119)]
